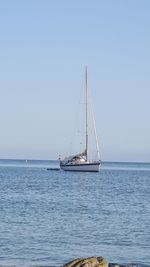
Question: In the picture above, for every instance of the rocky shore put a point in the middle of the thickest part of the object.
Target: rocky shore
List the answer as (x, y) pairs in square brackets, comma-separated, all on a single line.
[(92, 262)]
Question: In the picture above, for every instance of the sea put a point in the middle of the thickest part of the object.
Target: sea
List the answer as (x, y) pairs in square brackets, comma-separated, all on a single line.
[(48, 218)]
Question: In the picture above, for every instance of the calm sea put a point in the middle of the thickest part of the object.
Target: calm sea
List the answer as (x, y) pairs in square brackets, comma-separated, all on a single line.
[(50, 217)]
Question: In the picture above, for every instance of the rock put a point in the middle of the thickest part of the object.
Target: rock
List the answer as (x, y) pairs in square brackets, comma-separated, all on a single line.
[(88, 262), (120, 265)]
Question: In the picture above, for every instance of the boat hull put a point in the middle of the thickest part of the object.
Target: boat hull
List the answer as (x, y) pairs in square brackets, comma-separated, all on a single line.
[(82, 167)]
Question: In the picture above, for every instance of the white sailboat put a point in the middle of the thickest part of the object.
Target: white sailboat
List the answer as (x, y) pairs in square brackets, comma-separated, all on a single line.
[(81, 161)]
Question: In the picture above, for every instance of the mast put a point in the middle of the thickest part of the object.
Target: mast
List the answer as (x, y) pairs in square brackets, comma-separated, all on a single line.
[(86, 114)]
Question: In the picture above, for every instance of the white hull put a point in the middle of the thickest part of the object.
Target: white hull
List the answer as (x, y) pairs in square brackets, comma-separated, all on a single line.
[(88, 167)]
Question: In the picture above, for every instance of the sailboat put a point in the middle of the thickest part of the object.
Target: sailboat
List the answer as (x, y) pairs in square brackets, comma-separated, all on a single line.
[(81, 161)]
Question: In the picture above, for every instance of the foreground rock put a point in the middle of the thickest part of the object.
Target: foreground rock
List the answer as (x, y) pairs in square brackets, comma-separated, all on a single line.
[(88, 262), (94, 262)]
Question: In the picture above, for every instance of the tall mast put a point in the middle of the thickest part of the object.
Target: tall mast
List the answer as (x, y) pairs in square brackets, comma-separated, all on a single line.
[(86, 114)]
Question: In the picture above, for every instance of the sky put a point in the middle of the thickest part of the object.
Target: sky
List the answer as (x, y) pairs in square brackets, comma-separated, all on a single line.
[(44, 48)]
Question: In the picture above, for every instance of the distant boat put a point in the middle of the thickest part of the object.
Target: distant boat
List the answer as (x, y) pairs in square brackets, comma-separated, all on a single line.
[(81, 162)]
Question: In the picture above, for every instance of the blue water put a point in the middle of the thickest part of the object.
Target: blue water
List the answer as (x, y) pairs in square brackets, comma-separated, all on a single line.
[(50, 217)]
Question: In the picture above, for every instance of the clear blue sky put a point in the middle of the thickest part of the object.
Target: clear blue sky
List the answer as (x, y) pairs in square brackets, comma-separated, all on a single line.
[(44, 47)]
